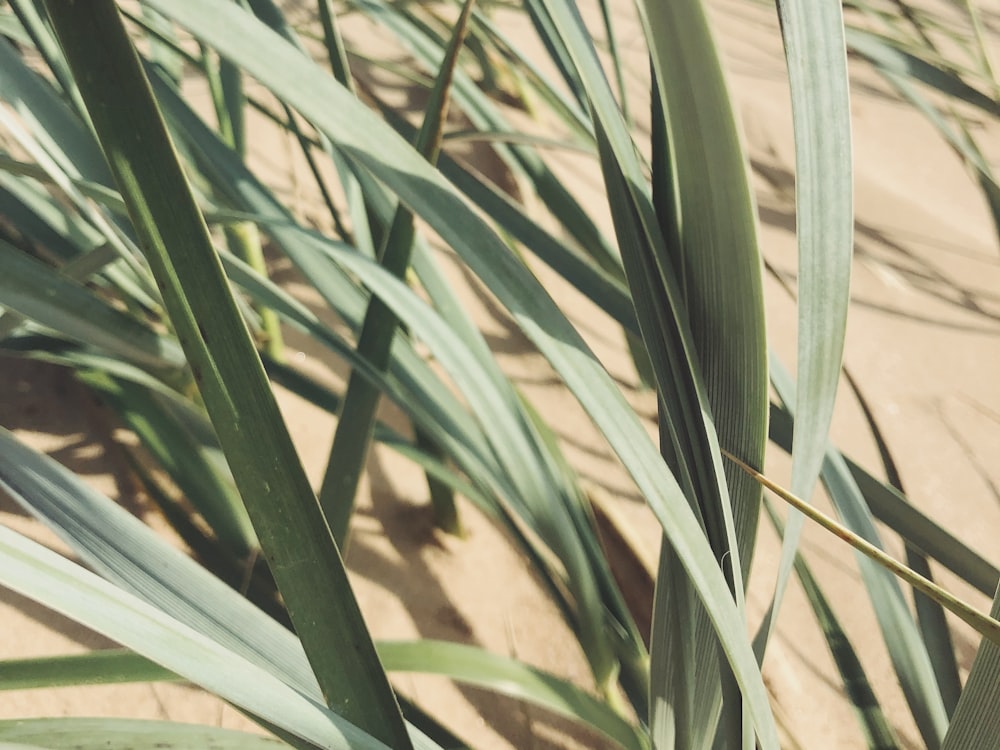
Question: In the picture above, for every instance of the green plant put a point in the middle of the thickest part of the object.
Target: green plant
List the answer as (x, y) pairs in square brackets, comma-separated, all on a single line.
[(161, 334)]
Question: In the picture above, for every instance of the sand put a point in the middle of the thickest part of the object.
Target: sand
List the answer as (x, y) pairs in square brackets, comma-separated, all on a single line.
[(924, 322)]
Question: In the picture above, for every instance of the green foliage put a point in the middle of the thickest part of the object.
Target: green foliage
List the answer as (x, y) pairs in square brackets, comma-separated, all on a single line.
[(109, 181)]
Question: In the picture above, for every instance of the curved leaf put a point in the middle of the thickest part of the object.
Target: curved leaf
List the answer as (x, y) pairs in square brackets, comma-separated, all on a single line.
[(69, 733), (43, 576), (500, 674), (813, 33)]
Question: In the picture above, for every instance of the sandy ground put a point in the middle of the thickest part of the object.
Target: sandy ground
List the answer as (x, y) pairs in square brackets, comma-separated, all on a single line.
[(922, 340)]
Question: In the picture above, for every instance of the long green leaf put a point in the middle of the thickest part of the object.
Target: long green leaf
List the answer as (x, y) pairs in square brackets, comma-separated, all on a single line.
[(706, 212), (349, 451), (267, 470), (43, 576), (813, 35), (476, 666), (467, 664), (37, 291), (101, 667), (68, 733)]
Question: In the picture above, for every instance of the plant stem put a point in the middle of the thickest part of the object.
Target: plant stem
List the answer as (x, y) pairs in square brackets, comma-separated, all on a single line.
[(983, 624), (357, 419)]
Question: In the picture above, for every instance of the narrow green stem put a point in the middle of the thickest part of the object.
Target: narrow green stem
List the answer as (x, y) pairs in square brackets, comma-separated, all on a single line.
[(226, 85), (446, 515), (243, 239), (357, 420)]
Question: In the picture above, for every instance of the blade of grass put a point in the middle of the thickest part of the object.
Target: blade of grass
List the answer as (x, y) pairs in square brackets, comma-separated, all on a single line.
[(476, 666), (456, 436), (466, 664), (813, 35), (103, 667), (349, 451), (485, 492), (43, 576), (676, 675), (39, 292), (628, 644), (70, 733), (293, 534), (706, 214)]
